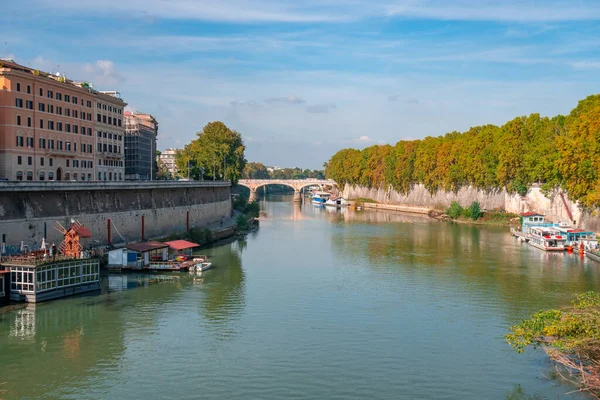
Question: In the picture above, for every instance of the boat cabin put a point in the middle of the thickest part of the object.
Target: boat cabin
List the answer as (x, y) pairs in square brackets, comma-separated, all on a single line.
[(547, 239), (138, 255)]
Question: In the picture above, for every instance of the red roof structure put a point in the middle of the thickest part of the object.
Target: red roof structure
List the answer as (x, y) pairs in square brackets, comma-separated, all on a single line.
[(83, 232), (181, 245), (532, 214), (143, 247)]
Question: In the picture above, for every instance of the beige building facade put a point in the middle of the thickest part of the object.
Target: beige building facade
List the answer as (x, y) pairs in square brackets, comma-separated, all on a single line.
[(48, 126), (110, 136)]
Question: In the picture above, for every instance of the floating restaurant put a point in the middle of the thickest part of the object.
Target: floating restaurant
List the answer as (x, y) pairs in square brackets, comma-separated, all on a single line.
[(44, 274)]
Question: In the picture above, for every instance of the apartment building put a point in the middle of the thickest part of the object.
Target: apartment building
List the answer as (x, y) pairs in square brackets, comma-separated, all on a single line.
[(140, 146), (110, 136), (167, 157), (48, 127)]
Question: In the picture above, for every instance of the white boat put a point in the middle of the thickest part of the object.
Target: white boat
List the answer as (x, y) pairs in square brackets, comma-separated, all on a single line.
[(336, 202), (319, 198), (547, 239), (201, 264)]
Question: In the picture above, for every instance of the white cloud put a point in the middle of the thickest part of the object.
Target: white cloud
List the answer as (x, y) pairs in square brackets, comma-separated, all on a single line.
[(586, 64), (320, 108), (286, 100)]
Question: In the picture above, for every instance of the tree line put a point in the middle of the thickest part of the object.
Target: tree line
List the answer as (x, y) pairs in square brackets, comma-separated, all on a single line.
[(563, 151), (257, 170)]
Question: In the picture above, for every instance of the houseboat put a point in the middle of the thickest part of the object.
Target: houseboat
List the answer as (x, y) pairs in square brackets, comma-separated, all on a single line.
[(153, 256), (61, 271), (547, 239), (576, 237)]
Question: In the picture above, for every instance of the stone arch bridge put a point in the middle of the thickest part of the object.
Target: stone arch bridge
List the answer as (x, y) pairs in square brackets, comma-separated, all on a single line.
[(296, 184)]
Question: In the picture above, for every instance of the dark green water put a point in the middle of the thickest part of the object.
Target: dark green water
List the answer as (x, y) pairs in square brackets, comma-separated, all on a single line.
[(315, 305)]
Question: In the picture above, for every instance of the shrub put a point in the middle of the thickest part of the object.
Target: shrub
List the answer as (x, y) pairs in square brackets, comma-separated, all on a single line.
[(242, 223), (455, 210), (475, 211)]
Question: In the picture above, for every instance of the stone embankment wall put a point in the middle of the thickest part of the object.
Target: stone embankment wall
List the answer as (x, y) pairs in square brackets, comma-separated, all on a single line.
[(164, 208), (554, 207)]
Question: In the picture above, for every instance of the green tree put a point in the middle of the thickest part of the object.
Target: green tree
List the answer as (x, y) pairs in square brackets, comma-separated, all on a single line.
[(255, 170), (218, 151)]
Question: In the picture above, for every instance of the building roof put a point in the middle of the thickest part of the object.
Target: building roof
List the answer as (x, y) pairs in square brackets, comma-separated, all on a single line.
[(83, 232), (532, 214), (181, 244), (143, 247)]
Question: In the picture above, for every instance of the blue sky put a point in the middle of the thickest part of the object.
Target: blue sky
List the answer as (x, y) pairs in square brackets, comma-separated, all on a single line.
[(303, 79)]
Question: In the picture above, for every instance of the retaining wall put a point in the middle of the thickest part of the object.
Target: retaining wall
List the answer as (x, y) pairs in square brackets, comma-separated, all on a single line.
[(419, 199), (164, 207)]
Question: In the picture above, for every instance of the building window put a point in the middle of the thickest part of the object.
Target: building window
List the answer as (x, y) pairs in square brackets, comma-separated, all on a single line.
[(42, 175), (75, 114), (104, 134), (104, 147), (110, 120), (67, 98), (41, 107), (68, 163), (29, 175), (50, 176), (68, 128), (29, 122), (19, 103), (41, 91), (104, 106), (74, 100), (42, 143), (59, 126), (18, 87), (59, 110), (67, 175), (75, 129), (99, 117), (51, 146), (74, 146), (68, 112), (110, 135), (110, 176), (89, 116), (119, 122), (51, 125), (89, 104), (29, 160), (42, 161), (19, 120), (68, 146), (58, 96), (104, 119), (19, 175), (99, 176), (89, 148), (29, 105), (50, 94), (59, 145), (50, 161), (20, 142), (90, 165), (51, 108), (30, 142), (29, 89), (19, 160), (41, 123), (89, 177)]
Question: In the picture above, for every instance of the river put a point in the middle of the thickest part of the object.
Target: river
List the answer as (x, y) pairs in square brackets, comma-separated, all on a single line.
[(313, 305)]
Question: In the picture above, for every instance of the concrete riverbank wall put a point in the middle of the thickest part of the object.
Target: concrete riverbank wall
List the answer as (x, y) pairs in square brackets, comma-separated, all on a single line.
[(556, 206), (148, 209)]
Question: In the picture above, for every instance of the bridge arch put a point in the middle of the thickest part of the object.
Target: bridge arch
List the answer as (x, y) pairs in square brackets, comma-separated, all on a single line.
[(296, 184)]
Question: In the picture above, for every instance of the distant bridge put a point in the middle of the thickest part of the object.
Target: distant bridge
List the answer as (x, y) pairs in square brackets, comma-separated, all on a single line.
[(296, 184)]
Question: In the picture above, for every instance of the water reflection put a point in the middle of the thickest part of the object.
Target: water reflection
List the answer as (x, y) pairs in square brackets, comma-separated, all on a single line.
[(473, 258)]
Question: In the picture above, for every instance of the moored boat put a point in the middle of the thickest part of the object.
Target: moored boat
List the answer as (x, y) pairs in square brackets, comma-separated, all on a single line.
[(336, 202), (547, 239), (319, 198), (201, 264)]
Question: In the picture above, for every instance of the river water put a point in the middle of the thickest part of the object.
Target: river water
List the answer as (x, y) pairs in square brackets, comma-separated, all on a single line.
[(313, 305)]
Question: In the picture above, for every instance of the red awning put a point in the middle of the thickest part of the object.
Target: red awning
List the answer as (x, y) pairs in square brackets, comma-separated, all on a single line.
[(146, 246), (181, 244), (532, 214), (83, 232)]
